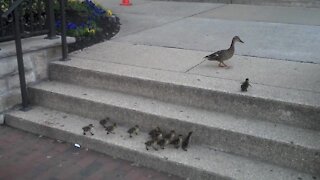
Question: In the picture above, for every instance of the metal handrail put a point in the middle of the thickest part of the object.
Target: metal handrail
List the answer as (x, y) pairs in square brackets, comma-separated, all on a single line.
[(17, 35)]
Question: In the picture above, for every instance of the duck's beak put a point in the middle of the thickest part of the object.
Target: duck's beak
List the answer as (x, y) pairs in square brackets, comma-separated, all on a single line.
[(241, 41)]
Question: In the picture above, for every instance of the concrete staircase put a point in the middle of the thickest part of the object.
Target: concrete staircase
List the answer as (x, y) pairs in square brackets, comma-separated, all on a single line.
[(262, 135)]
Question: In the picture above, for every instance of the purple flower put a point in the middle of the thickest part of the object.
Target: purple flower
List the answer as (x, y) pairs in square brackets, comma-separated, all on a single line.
[(71, 26), (58, 24), (96, 10)]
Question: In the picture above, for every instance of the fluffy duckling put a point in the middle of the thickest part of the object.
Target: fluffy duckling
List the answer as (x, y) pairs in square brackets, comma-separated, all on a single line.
[(111, 128), (225, 54), (177, 142), (185, 142), (152, 143), (171, 135), (104, 122), (245, 85), (154, 132), (88, 129), (158, 136), (163, 142), (133, 130)]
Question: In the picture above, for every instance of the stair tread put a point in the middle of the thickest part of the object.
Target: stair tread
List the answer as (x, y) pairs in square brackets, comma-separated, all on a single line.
[(287, 95), (200, 157), (262, 129)]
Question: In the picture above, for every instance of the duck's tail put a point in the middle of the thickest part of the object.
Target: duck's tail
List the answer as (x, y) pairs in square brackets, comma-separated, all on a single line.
[(211, 57)]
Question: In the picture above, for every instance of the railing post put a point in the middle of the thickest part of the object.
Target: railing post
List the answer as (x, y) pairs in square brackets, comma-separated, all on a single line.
[(50, 20), (63, 31), (23, 86)]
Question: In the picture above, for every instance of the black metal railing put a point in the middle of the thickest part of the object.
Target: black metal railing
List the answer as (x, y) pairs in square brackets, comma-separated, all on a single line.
[(25, 18), (35, 17)]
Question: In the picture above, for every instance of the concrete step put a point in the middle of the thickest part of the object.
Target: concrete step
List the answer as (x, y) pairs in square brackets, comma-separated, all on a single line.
[(275, 104), (280, 144), (200, 162)]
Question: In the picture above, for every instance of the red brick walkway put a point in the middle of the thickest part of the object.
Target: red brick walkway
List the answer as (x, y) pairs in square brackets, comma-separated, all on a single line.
[(27, 156)]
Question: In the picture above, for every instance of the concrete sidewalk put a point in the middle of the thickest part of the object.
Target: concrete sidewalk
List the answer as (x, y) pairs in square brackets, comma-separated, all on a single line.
[(281, 46), (286, 33), (28, 156)]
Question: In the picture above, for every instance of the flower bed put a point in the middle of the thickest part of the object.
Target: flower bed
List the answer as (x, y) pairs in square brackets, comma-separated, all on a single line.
[(88, 22)]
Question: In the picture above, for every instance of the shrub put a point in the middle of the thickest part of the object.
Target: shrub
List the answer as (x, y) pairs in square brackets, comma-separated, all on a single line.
[(88, 21)]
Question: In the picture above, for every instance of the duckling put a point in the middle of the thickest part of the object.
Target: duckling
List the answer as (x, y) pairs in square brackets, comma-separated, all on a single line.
[(151, 143), (225, 54), (245, 85), (88, 129), (103, 122), (157, 136), (185, 142), (154, 132), (163, 142), (177, 142), (134, 130), (171, 135), (111, 128)]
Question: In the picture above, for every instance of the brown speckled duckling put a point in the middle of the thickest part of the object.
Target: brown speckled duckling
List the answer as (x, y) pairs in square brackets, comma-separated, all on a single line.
[(185, 142), (133, 130), (88, 129), (171, 135), (155, 131), (163, 142), (103, 122), (111, 128), (152, 143), (177, 142)]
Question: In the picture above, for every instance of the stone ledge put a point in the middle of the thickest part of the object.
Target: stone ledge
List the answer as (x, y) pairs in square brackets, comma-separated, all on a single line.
[(31, 44), (37, 53)]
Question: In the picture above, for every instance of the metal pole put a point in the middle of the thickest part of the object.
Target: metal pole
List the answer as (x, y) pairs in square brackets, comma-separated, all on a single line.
[(50, 20), (23, 86), (63, 31)]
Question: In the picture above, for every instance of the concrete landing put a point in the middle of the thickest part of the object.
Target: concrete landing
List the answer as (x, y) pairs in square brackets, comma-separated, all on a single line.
[(268, 40), (282, 33), (276, 14)]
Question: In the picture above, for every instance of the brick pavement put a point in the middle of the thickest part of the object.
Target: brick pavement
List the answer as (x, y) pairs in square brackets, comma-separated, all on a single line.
[(27, 156)]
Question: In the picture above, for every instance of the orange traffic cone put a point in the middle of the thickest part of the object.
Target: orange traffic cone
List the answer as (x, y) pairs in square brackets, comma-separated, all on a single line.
[(125, 3)]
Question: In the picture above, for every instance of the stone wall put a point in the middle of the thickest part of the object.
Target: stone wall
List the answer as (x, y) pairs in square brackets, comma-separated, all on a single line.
[(37, 53)]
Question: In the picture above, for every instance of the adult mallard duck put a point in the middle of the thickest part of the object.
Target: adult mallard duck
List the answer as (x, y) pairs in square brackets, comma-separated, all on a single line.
[(225, 54)]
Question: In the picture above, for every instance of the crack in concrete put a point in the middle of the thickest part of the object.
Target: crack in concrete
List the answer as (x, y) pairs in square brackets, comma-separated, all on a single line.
[(194, 66)]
